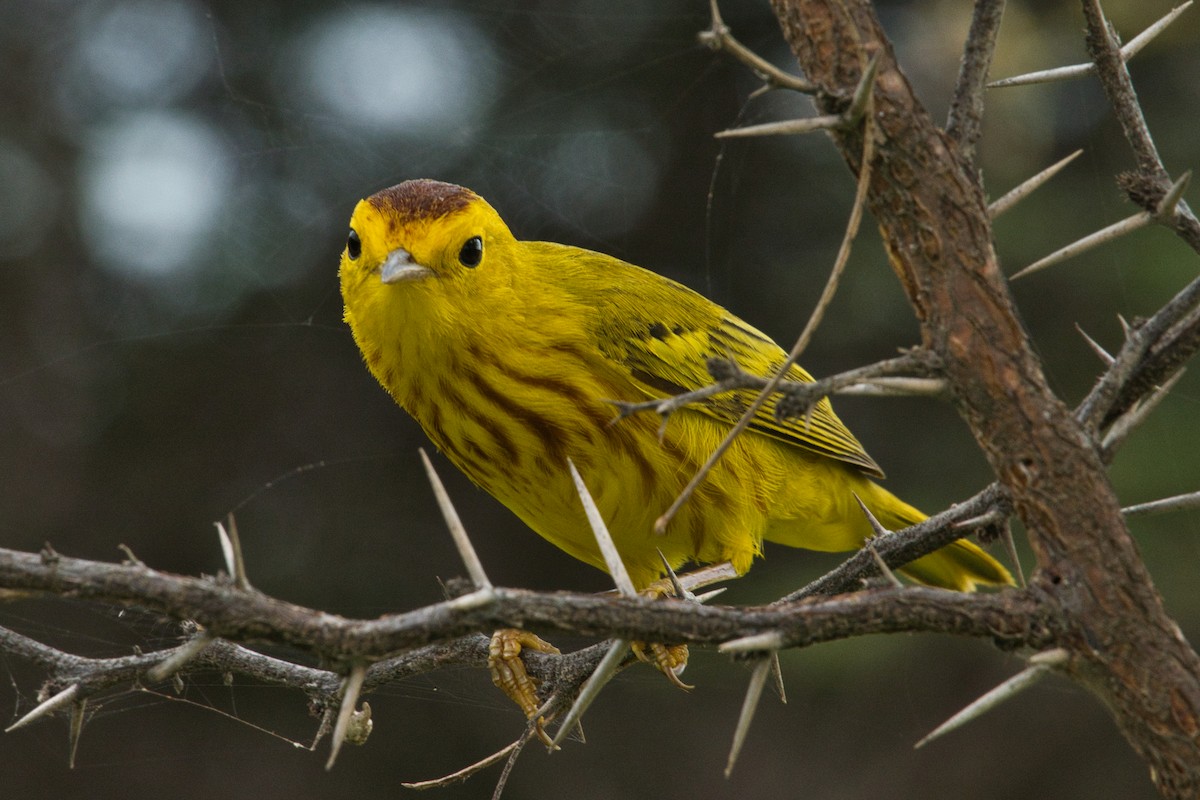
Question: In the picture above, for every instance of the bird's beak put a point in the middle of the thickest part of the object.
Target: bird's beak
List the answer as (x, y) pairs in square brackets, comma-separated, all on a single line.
[(399, 267)]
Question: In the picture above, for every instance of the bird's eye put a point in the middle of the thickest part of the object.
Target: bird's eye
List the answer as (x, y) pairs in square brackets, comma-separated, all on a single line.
[(353, 245), (472, 252)]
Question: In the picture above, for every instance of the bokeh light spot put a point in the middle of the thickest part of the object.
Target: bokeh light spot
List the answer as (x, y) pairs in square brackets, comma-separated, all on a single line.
[(153, 188), (381, 69)]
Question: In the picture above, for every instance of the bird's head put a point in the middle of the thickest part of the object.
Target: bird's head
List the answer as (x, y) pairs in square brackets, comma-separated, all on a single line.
[(422, 251)]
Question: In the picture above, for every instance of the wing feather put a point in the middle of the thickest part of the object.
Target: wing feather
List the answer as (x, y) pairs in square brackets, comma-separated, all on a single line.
[(678, 362), (664, 333)]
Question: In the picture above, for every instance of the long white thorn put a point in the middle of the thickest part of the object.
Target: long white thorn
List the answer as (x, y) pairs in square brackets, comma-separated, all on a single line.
[(47, 706), (758, 679), (981, 521), (1164, 212), (473, 600), (754, 643), (884, 569), (458, 531), (862, 93), (78, 709), (787, 127), (1040, 665), (706, 596), (777, 671), (616, 567), (897, 386), (611, 662), (1168, 206), (1104, 355), (182, 655), (677, 587), (877, 526), (1114, 231), (231, 549), (1027, 187), (1134, 45), (1180, 502), (1079, 70), (348, 714), (1128, 422), (590, 690), (707, 576)]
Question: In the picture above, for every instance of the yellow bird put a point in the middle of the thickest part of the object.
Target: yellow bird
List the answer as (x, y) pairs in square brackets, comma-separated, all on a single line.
[(509, 353)]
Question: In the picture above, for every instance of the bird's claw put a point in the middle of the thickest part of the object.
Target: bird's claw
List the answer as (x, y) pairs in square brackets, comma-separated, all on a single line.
[(670, 660)]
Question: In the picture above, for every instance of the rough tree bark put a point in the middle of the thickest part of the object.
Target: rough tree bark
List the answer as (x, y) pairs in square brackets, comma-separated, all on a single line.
[(933, 218)]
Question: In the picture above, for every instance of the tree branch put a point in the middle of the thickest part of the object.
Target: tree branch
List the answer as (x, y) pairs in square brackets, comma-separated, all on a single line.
[(965, 124), (933, 219), (1152, 181), (228, 612)]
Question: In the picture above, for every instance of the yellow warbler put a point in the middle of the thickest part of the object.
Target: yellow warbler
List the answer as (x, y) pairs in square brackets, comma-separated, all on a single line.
[(506, 352)]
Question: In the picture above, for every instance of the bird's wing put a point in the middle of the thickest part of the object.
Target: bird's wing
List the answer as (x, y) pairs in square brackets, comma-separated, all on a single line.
[(668, 357)]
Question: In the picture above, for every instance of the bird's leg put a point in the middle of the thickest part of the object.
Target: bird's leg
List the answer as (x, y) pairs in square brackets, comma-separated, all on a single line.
[(509, 673), (669, 659)]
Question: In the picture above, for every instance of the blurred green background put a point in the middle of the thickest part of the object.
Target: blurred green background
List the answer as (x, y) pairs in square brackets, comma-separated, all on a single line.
[(176, 181)]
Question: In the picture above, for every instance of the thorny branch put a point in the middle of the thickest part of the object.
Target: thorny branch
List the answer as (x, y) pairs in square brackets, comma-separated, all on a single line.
[(939, 243), (432, 637), (228, 612)]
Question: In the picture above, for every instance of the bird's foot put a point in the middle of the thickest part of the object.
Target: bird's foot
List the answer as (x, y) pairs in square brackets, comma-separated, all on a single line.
[(670, 660), (509, 673)]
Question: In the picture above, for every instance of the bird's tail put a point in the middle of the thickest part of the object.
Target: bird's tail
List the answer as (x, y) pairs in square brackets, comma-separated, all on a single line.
[(962, 565)]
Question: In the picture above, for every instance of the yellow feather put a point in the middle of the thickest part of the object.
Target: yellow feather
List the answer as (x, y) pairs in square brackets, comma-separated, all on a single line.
[(506, 352)]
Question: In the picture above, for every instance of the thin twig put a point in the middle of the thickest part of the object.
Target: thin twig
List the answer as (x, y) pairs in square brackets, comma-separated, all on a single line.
[(914, 365), (511, 761), (719, 37), (466, 772)]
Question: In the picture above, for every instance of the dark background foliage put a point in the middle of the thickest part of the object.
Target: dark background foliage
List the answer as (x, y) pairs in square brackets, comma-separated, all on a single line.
[(176, 180)]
